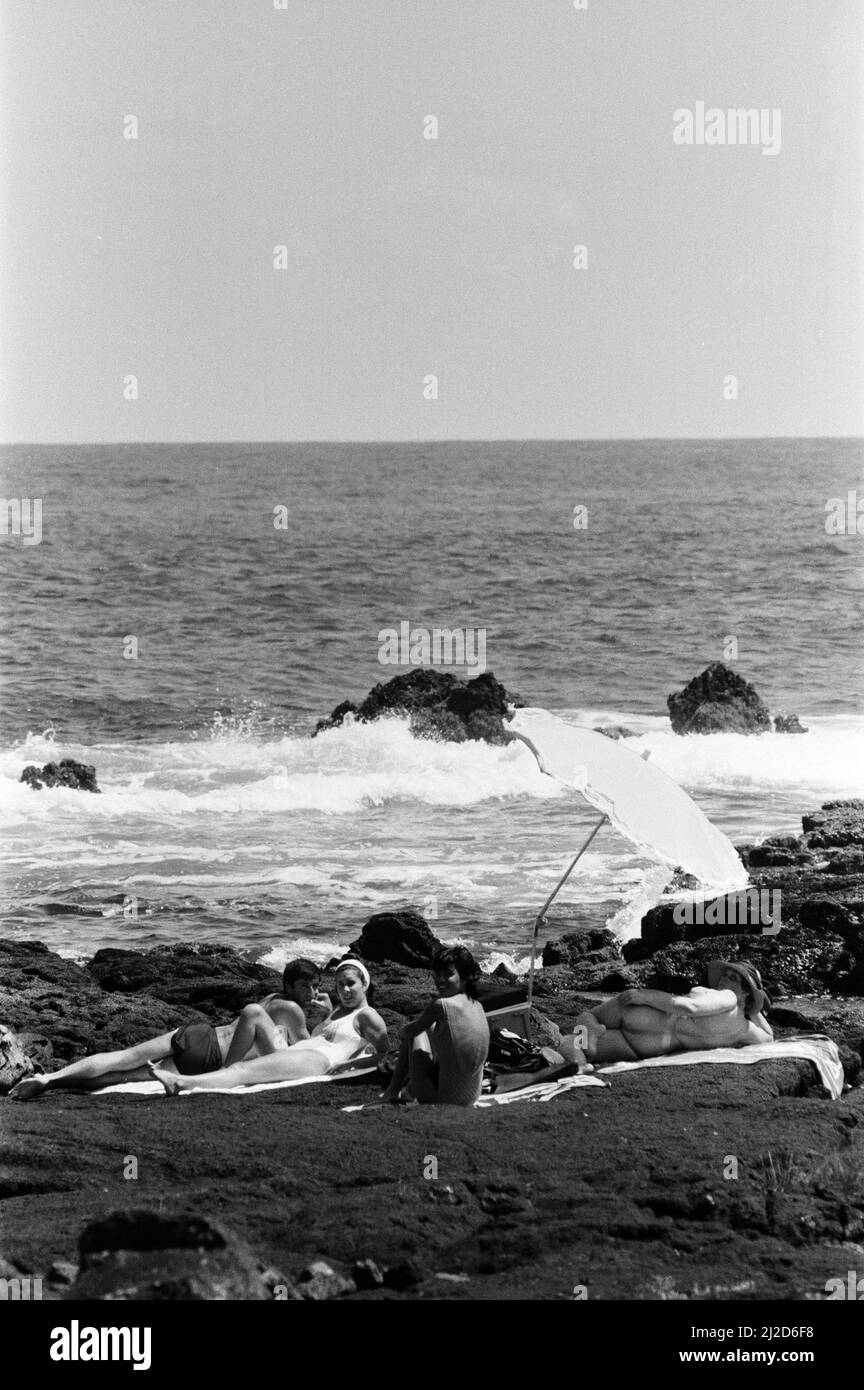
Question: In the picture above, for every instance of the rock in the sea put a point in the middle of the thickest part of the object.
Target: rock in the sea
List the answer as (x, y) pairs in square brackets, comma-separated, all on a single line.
[(144, 1255), (780, 851), (788, 724), (718, 701), (573, 947), (614, 731), (837, 825), (439, 705), (402, 937), (732, 913), (66, 773)]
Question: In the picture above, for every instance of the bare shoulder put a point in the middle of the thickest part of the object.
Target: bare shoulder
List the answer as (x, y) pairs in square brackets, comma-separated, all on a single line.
[(369, 1015), (283, 1008)]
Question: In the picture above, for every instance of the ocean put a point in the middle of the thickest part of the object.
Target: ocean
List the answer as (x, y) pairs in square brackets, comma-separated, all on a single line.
[(191, 610)]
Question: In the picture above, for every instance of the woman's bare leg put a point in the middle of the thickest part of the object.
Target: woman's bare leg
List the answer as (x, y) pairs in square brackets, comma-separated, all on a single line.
[(401, 1071), (100, 1069), (421, 1069), (613, 1046), (276, 1066)]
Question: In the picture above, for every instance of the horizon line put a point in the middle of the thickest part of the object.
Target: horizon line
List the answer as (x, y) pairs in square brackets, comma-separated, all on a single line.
[(454, 439)]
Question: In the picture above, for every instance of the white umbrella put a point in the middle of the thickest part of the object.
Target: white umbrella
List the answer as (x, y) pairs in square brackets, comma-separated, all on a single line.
[(645, 805)]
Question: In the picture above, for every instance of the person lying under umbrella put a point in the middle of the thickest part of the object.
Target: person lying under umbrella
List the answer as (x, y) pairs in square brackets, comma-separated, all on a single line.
[(640, 1023)]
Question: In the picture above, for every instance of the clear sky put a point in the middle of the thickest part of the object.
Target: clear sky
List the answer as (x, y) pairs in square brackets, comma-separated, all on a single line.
[(304, 127)]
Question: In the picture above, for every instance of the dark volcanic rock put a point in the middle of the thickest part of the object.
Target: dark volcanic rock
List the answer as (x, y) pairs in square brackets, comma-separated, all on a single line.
[(401, 990), (572, 948), (66, 773), (837, 825), (781, 851), (14, 1061), (592, 957), (439, 704), (730, 913), (788, 724), (841, 1019), (211, 978), (132, 1256), (718, 701), (402, 937), (796, 961), (59, 1013)]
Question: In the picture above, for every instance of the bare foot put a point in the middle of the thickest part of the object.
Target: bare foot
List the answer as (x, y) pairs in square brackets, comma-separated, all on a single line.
[(29, 1088), (169, 1079)]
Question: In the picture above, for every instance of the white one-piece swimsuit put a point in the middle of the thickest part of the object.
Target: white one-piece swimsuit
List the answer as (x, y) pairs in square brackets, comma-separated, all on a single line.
[(336, 1039)]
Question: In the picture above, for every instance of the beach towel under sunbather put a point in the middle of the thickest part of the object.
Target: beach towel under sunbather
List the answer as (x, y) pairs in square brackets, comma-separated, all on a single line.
[(815, 1048), (155, 1088)]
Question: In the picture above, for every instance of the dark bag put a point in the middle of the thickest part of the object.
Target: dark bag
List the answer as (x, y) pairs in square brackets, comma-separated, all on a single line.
[(508, 1053)]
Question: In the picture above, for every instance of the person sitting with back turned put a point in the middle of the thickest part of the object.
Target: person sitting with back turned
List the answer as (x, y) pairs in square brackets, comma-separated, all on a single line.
[(444, 1050), (641, 1023), (271, 1026)]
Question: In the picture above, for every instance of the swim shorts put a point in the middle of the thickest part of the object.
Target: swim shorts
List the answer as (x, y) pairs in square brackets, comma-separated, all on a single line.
[(196, 1049)]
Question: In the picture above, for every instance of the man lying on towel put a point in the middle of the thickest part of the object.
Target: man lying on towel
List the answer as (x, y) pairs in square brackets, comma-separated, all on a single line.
[(642, 1023), (271, 1026)]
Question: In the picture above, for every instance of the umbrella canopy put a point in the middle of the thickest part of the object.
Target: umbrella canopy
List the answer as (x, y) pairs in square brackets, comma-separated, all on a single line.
[(643, 803)]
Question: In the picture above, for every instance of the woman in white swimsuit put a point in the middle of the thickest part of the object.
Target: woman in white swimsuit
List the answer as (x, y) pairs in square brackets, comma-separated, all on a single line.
[(354, 1034)]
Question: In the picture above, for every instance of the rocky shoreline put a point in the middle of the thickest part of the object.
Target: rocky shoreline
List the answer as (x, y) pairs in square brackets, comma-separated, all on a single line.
[(622, 1190)]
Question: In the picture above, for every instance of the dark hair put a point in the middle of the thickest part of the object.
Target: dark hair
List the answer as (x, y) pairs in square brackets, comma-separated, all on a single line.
[(460, 958), (301, 969)]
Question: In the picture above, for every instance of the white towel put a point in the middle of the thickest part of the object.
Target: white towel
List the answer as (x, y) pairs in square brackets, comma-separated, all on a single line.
[(542, 1091), (813, 1048), (155, 1088)]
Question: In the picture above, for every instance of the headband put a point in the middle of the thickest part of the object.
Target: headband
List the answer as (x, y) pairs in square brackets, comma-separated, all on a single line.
[(359, 967)]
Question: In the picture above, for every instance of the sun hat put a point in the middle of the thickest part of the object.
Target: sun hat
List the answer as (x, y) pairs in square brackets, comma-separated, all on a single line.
[(748, 974)]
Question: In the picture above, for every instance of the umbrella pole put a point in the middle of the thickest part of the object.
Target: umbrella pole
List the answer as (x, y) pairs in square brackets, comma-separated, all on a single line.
[(542, 913)]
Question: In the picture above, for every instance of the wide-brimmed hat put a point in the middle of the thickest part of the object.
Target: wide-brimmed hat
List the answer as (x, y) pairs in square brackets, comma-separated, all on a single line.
[(747, 972)]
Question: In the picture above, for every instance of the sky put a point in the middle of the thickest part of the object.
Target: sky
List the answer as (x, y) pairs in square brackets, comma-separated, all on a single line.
[(721, 294)]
